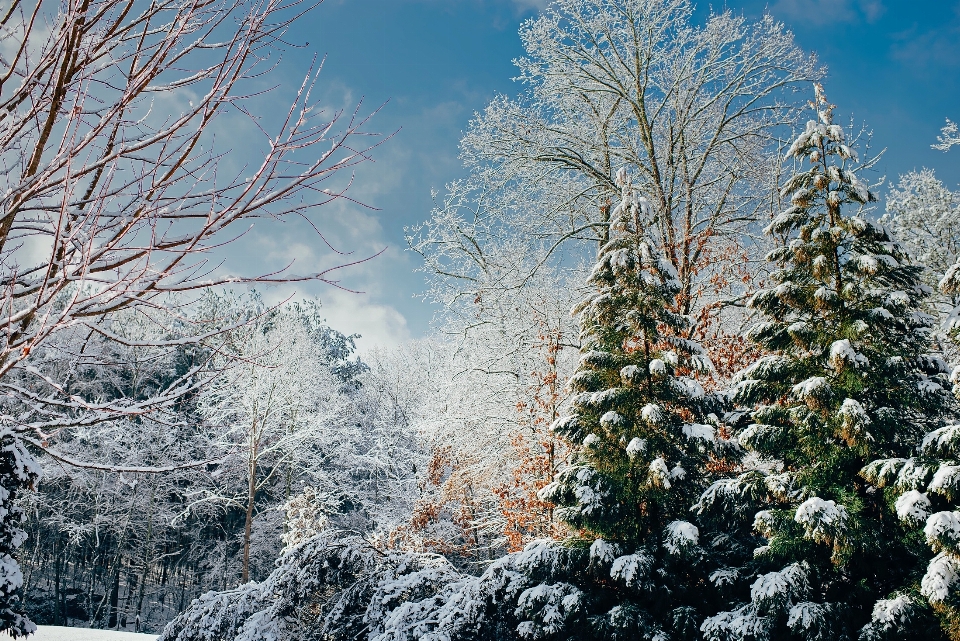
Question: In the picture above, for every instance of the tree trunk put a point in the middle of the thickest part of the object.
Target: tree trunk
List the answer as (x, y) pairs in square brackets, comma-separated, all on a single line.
[(147, 557), (56, 588), (114, 598), (248, 524)]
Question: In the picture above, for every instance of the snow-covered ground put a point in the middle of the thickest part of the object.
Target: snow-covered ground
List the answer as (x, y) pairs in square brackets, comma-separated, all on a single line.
[(57, 633)]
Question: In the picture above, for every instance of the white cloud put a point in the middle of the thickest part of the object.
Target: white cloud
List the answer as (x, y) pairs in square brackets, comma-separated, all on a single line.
[(524, 5), (362, 311), (356, 230), (379, 325), (823, 12), (938, 45)]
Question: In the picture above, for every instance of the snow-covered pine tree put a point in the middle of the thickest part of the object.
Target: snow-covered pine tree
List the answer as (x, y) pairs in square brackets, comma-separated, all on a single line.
[(634, 407), (646, 431), (924, 489), (848, 378), (950, 286), (649, 433)]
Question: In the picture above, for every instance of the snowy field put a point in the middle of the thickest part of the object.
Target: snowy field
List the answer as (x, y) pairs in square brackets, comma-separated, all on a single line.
[(57, 633)]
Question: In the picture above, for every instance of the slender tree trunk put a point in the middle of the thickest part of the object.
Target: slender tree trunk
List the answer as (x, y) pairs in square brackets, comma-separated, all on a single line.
[(251, 496), (183, 590), (289, 483), (146, 560), (289, 479), (114, 599), (251, 491), (56, 586)]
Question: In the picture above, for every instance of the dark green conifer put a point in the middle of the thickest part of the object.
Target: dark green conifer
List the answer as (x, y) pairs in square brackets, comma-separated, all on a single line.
[(646, 425), (848, 378), (648, 433)]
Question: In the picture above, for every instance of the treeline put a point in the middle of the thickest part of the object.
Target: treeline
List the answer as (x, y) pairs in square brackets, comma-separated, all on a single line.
[(747, 428), (113, 547)]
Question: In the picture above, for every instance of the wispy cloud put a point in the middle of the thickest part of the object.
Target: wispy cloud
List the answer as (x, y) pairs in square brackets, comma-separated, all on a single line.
[(939, 46), (526, 5), (823, 12), (378, 324)]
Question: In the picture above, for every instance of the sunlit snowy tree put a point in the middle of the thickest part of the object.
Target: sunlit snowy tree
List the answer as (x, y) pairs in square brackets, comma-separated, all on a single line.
[(646, 434), (925, 216), (115, 188), (694, 106), (924, 491), (949, 136)]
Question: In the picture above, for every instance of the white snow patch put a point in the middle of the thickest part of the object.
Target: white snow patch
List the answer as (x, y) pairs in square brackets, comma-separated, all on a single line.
[(943, 530), (631, 568), (611, 419), (941, 442), (913, 506), (822, 520), (603, 552), (942, 574), (653, 414), (696, 430), (813, 386), (60, 633), (659, 474), (842, 353), (636, 446), (893, 612), (680, 535)]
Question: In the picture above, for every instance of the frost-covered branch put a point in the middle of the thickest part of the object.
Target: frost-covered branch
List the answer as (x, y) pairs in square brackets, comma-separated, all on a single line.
[(949, 136)]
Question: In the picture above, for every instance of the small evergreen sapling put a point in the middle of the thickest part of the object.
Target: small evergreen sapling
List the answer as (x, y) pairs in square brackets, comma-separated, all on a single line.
[(848, 378), (18, 470), (950, 286)]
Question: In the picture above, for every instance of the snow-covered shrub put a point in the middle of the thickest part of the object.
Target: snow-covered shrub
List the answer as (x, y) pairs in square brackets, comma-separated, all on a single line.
[(18, 470)]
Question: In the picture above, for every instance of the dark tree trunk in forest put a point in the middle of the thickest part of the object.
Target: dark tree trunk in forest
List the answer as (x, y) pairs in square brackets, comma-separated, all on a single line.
[(57, 592), (251, 497), (114, 599)]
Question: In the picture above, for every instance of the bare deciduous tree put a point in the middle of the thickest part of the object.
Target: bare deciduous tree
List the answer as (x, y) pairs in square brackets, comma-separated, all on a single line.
[(926, 218), (115, 187), (694, 109), (280, 410)]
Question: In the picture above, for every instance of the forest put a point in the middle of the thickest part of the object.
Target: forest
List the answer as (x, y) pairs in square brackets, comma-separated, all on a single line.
[(694, 374)]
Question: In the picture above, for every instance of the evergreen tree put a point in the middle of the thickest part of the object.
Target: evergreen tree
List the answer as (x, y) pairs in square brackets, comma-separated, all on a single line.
[(848, 378), (950, 286), (636, 401), (924, 490), (648, 433)]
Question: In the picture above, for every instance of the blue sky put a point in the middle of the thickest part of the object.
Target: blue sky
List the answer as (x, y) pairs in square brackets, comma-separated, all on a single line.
[(893, 65)]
